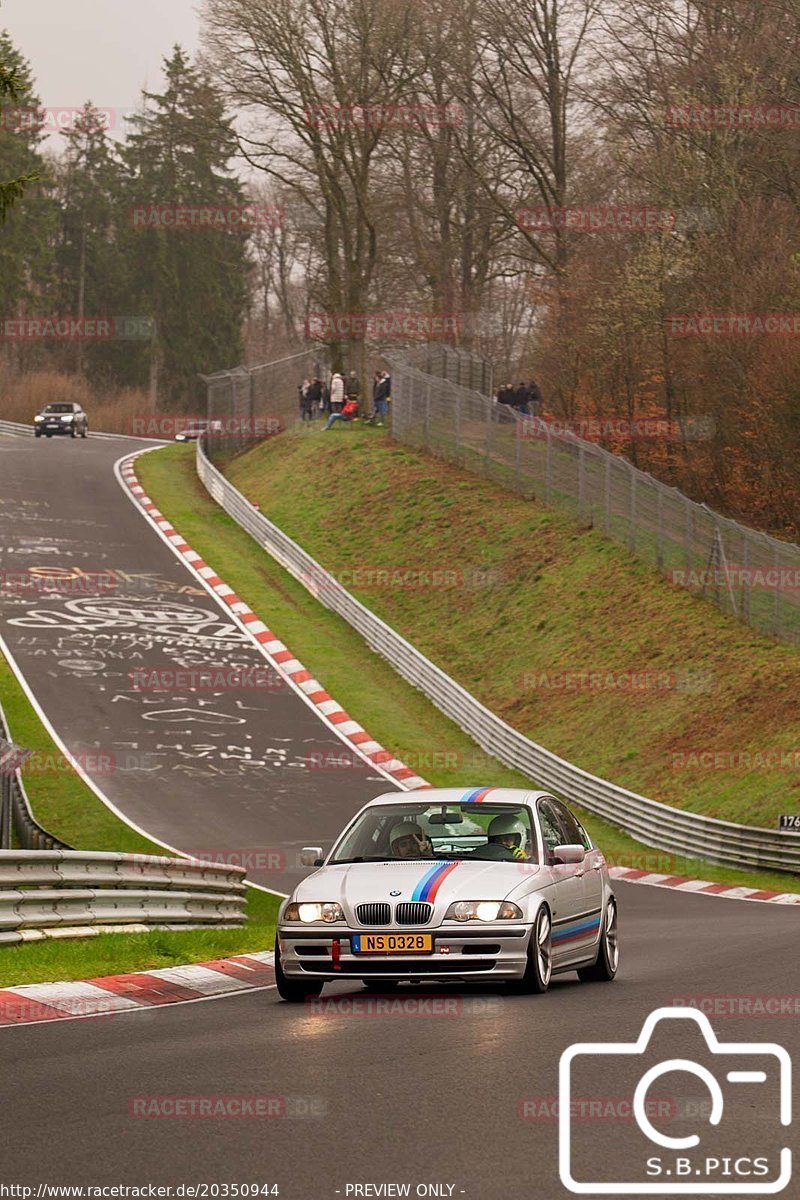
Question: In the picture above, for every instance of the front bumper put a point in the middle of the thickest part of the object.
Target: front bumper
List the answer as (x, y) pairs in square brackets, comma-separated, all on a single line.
[(66, 427), (459, 953)]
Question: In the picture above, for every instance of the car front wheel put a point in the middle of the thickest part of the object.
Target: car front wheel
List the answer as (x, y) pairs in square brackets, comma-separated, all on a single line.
[(539, 968), (295, 991), (605, 968)]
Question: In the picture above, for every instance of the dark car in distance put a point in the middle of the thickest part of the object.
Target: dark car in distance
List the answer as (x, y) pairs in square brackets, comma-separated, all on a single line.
[(62, 418)]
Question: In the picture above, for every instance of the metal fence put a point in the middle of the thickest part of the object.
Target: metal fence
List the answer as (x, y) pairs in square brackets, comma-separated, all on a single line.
[(458, 366), (746, 573), (651, 822), (249, 404), (64, 893)]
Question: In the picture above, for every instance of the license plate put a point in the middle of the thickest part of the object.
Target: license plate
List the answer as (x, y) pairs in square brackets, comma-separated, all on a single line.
[(392, 943)]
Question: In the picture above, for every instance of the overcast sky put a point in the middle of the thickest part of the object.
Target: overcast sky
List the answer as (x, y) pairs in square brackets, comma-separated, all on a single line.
[(105, 51)]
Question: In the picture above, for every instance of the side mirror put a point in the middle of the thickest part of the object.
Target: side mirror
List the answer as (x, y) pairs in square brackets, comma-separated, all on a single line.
[(569, 854), (311, 856)]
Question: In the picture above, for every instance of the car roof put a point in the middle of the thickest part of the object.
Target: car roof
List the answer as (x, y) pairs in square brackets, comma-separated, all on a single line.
[(492, 795)]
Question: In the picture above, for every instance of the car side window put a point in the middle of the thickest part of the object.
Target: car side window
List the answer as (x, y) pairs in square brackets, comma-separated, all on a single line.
[(574, 833), (551, 831)]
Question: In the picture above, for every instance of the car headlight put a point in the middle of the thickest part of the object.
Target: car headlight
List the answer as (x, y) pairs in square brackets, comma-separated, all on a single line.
[(313, 912), (483, 910), (67, 417), (39, 418)]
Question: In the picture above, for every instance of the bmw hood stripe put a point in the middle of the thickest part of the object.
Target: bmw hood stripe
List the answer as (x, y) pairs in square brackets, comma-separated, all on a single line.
[(432, 880)]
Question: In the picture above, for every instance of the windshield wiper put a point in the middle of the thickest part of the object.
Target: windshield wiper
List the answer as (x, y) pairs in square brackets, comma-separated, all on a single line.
[(360, 858), (386, 858)]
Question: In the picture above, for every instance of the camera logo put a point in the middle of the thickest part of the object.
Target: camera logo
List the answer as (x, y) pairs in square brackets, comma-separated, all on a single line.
[(744, 1094)]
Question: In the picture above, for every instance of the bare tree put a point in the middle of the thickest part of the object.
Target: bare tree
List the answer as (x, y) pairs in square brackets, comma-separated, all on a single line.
[(316, 78)]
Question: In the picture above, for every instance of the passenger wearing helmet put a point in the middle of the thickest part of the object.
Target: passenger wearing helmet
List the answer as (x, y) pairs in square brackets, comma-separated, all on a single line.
[(508, 833), (407, 840)]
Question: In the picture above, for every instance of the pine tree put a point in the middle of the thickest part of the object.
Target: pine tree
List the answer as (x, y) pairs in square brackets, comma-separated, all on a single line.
[(25, 245), (90, 265), (192, 281)]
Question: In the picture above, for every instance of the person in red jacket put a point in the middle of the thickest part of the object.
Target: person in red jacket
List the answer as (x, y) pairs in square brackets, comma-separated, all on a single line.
[(348, 412)]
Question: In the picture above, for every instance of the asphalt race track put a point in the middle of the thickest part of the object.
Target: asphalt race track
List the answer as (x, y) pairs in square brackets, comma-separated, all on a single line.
[(215, 772), (455, 1091)]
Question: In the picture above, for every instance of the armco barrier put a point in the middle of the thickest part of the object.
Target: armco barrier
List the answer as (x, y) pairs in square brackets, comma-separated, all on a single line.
[(17, 429), (29, 833), (68, 892), (649, 821), (14, 429)]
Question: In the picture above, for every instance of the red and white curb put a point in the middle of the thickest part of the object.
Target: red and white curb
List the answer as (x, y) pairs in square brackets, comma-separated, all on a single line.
[(33, 1003), (701, 887), (276, 652)]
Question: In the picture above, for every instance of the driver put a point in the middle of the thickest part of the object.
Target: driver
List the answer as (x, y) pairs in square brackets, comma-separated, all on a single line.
[(509, 830), (407, 840)]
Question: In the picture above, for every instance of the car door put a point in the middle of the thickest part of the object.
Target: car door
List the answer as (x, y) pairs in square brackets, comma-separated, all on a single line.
[(583, 934), (568, 899)]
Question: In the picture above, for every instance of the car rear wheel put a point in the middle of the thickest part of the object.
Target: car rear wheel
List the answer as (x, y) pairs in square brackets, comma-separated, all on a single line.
[(539, 969), (72, 431), (295, 991), (605, 968)]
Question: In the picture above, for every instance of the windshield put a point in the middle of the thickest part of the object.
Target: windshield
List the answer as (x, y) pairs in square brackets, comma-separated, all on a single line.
[(58, 408), (491, 832)]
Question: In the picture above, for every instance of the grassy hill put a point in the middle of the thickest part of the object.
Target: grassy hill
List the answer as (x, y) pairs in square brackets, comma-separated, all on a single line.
[(508, 596)]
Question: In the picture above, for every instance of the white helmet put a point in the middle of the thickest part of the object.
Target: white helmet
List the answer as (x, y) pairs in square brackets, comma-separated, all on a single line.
[(508, 825), (410, 829)]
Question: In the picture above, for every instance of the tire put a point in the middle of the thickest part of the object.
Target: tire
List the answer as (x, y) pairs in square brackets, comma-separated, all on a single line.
[(294, 991), (380, 985), (48, 435), (605, 968), (539, 969), (36, 433), (72, 432)]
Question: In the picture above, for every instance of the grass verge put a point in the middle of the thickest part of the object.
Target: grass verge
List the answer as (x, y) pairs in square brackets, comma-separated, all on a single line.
[(399, 716), (121, 953), (71, 811)]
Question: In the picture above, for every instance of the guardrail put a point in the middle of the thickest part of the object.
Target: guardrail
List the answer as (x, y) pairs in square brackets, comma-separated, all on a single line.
[(650, 821), (69, 893), (15, 808), (20, 429)]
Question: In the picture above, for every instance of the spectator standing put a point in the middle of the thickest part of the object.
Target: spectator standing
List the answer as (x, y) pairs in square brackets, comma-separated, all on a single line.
[(506, 395), (302, 395), (337, 392), (352, 385), (314, 396), (381, 399), (535, 398)]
